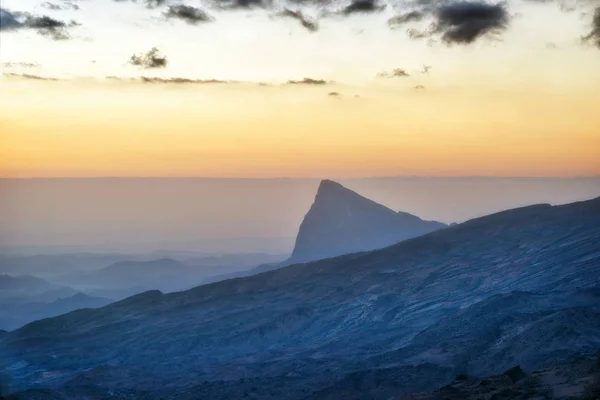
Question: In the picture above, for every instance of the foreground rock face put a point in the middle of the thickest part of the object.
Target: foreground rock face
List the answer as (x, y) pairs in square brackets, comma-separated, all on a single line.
[(575, 378), (521, 287), (341, 221)]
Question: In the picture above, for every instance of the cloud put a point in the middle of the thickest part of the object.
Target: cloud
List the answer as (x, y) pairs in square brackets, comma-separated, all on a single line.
[(66, 6), (417, 34), (412, 16), (29, 76), (334, 94), (155, 3), (362, 6), (465, 22), (175, 80), (152, 59), (246, 3), (425, 70), (309, 81), (46, 26), (49, 27), (8, 20), (311, 26), (594, 35), (419, 87), (11, 64), (148, 3), (43, 22), (182, 80), (189, 14), (395, 73)]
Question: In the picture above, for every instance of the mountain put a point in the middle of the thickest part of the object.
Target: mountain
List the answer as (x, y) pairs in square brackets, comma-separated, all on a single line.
[(341, 221), (518, 287), (21, 296), (15, 315), (23, 283), (51, 265), (165, 274), (68, 304)]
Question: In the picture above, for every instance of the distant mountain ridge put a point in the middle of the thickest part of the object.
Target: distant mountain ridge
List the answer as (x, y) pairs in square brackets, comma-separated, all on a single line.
[(165, 274), (25, 283), (340, 221)]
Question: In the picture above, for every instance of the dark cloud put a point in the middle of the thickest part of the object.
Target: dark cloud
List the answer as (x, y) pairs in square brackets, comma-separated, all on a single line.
[(245, 3), (594, 35), (8, 20), (29, 76), (46, 26), (419, 87), (412, 16), (309, 81), (43, 22), (334, 94), (152, 59), (396, 73), (362, 6), (189, 14), (311, 26), (465, 22)]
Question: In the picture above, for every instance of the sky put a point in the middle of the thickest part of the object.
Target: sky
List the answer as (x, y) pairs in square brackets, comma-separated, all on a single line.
[(311, 89)]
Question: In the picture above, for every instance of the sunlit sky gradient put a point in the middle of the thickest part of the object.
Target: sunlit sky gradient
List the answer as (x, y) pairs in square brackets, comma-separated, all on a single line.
[(525, 104)]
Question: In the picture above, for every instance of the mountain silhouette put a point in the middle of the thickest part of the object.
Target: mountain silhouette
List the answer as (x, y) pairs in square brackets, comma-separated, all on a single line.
[(341, 221), (26, 283)]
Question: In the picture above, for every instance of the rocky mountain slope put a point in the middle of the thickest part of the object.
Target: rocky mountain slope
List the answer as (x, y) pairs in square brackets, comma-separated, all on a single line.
[(341, 221), (517, 287), (575, 378)]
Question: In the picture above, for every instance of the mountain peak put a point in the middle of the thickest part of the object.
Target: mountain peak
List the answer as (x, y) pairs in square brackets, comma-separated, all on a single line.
[(341, 221), (329, 185)]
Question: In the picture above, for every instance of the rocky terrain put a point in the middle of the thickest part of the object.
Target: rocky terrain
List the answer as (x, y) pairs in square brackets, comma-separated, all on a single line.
[(575, 378), (520, 287)]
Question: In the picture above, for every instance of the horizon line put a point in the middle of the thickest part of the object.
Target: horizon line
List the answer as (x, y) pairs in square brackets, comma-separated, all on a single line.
[(306, 178)]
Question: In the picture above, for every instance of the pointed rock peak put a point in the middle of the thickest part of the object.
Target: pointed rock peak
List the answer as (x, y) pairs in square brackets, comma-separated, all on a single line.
[(341, 221), (329, 186), (332, 190)]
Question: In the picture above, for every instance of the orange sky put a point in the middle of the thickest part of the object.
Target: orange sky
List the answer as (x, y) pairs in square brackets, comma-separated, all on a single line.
[(246, 130)]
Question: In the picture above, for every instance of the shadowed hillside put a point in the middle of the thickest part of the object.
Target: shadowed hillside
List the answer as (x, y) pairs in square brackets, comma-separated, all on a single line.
[(513, 288)]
